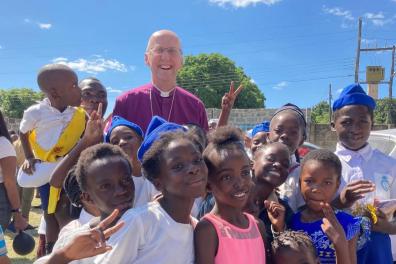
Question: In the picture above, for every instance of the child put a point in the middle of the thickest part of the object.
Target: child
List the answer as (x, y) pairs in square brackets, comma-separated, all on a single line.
[(259, 136), (288, 126), (162, 231), (103, 173), (271, 164), (226, 234), (319, 181), (293, 247), (129, 136), (48, 131), (363, 166)]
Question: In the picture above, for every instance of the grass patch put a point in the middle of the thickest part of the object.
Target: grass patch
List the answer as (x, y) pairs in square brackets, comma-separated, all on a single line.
[(34, 220)]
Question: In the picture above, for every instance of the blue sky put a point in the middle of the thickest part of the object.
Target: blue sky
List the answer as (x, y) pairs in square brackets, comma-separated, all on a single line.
[(292, 49)]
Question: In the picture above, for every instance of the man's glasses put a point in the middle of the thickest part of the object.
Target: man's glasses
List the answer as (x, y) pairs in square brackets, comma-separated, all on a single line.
[(172, 51)]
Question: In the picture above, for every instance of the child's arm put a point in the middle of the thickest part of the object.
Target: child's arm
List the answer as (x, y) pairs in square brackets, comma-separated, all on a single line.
[(276, 214), (206, 242), (352, 192), (30, 160), (227, 103), (93, 134), (336, 234)]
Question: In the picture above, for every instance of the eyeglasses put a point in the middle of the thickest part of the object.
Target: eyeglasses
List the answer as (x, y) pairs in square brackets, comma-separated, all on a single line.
[(172, 51)]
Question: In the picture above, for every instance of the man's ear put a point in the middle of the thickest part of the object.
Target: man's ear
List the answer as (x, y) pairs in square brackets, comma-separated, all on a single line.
[(332, 125), (147, 58)]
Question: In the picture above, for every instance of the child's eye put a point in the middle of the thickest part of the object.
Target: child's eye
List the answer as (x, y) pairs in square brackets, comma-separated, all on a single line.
[(114, 142), (245, 173), (225, 177), (198, 160), (178, 166), (270, 158), (328, 182), (105, 186), (308, 181)]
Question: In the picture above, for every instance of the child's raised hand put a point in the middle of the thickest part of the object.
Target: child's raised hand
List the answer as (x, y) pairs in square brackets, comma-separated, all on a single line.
[(228, 100), (94, 129), (332, 227), (276, 214), (93, 241), (28, 165), (354, 191)]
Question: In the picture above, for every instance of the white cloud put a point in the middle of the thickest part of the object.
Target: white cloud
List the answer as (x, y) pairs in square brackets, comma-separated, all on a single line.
[(112, 90), (252, 81), (44, 26), (94, 65), (339, 90), (243, 3), (281, 85), (27, 20), (337, 11), (379, 19)]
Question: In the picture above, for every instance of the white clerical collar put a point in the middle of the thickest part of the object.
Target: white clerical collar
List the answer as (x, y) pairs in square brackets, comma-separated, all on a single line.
[(162, 93)]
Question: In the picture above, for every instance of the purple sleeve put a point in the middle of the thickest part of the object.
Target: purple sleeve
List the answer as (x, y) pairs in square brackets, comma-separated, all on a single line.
[(203, 117), (119, 107)]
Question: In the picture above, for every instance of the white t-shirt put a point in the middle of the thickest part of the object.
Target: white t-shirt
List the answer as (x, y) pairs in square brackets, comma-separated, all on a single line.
[(47, 121), (150, 236), (84, 218), (6, 150), (145, 191)]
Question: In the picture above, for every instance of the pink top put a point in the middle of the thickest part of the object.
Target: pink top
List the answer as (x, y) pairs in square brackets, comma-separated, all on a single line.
[(238, 245), (181, 107)]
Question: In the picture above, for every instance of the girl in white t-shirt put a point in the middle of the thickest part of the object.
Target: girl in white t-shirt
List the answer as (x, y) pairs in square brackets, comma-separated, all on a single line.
[(129, 136), (162, 231)]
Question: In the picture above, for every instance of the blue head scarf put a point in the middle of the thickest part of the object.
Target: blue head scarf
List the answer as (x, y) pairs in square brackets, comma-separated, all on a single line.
[(119, 121), (353, 95), (157, 126), (262, 127)]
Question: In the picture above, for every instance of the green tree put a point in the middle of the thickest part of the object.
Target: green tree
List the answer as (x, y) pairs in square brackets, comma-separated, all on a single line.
[(14, 101), (320, 113), (209, 75), (382, 110)]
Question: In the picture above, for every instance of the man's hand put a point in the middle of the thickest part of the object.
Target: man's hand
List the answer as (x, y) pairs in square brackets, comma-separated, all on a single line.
[(94, 130), (28, 165)]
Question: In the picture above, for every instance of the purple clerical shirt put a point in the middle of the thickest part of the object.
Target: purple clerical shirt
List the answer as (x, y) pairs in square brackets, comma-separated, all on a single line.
[(135, 106)]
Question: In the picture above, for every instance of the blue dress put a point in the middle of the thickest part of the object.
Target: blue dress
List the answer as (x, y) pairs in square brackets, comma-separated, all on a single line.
[(322, 243)]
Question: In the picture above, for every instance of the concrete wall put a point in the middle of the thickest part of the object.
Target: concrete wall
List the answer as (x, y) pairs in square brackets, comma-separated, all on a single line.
[(12, 123)]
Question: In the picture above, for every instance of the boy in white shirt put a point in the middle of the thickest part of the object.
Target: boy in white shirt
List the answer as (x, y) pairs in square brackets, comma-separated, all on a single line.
[(48, 131), (363, 166)]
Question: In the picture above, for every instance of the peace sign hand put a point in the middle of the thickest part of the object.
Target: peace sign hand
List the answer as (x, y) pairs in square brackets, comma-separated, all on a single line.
[(228, 100), (92, 242), (94, 129)]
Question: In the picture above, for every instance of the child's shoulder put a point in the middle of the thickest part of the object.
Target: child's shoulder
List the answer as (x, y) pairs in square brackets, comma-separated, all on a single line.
[(383, 158)]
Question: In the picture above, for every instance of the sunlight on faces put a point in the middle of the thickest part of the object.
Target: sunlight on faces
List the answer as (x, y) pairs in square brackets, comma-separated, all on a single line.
[(353, 126), (287, 128), (183, 171), (231, 182), (92, 94), (271, 165), (318, 183), (110, 185), (163, 56)]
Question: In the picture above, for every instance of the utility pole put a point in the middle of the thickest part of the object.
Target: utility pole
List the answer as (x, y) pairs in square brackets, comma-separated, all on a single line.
[(392, 70), (330, 109), (358, 51)]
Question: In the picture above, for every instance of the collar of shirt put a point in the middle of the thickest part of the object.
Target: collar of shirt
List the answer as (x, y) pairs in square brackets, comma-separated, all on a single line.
[(348, 155), (47, 103), (162, 93)]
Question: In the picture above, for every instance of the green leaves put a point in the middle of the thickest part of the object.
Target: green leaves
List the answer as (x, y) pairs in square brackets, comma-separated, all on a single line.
[(14, 101), (209, 76)]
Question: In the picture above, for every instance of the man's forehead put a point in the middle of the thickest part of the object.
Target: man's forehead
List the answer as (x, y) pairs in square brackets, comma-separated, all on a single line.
[(165, 40)]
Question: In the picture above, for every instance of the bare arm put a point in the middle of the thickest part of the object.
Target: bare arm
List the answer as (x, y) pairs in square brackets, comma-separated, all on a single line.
[(227, 103), (8, 168), (205, 242)]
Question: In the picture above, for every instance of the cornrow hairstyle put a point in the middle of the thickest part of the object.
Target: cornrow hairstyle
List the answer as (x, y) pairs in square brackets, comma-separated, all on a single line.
[(324, 156), (294, 240), (89, 155), (222, 140), (152, 159)]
